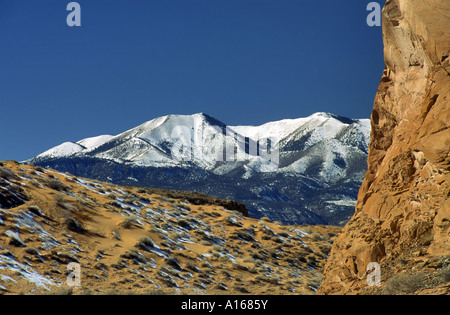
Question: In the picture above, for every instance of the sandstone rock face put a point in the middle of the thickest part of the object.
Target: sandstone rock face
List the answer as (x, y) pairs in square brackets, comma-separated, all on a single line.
[(403, 209)]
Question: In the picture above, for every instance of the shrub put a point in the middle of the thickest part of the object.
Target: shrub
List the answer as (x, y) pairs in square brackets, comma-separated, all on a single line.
[(404, 284), (6, 173), (284, 234), (241, 289), (129, 201), (173, 262), (325, 249), (182, 206), (74, 225), (56, 185), (156, 292), (115, 204), (63, 291), (192, 267), (232, 221), (61, 202), (127, 223), (445, 274), (40, 169), (184, 224), (146, 243), (32, 251), (36, 210)]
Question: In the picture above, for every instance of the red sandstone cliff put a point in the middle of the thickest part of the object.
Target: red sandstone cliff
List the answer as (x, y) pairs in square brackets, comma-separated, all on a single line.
[(402, 218)]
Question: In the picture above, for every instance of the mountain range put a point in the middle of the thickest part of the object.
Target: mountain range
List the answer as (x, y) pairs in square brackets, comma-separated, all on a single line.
[(297, 171)]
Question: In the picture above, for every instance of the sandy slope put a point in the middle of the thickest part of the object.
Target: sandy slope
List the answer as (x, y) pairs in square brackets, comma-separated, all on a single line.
[(189, 249)]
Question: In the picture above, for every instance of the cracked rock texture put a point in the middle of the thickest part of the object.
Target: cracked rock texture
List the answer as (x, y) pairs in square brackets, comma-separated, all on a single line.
[(402, 217)]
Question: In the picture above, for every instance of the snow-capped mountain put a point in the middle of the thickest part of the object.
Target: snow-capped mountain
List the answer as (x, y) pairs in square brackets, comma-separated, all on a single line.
[(305, 170)]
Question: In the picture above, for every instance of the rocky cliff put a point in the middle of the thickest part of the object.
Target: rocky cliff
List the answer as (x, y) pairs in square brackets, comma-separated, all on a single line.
[(402, 217)]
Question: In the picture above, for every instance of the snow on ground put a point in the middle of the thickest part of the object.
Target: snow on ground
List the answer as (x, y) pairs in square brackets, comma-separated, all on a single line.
[(347, 203), (24, 271)]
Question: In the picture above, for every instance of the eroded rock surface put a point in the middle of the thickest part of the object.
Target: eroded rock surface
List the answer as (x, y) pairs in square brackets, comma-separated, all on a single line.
[(402, 218)]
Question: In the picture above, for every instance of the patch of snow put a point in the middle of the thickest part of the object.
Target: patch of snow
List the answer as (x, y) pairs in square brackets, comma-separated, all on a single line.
[(94, 142), (27, 219), (25, 272), (276, 130), (347, 203)]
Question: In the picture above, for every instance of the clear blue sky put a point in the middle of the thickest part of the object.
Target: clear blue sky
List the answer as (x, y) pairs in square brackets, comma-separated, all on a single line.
[(241, 61)]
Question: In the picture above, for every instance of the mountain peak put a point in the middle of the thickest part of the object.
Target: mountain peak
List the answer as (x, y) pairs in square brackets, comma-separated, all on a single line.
[(342, 119), (322, 114), (198, 152)]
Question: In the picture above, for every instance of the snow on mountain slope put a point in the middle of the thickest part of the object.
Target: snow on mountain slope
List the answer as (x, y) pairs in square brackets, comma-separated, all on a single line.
[(177, 140), (321, 126), (154, 143), (277, 129), (70, 148), (298, 176), (64, 149), (94, 142)]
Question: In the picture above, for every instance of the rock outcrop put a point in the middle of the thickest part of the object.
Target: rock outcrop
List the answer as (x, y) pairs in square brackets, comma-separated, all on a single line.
[(402, 217)]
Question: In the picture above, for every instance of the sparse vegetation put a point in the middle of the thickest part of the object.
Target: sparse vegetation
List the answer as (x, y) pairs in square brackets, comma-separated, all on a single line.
[(145, 243), (7, 173), (404, 283), (155, 244), (56, 185), (127, 223), (74, 225)]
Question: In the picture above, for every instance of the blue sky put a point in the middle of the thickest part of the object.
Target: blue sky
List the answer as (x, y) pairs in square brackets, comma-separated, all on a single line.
[(241, 61)]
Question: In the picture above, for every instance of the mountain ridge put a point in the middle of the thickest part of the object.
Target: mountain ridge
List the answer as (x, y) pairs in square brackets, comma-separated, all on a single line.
[(263, 166)]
